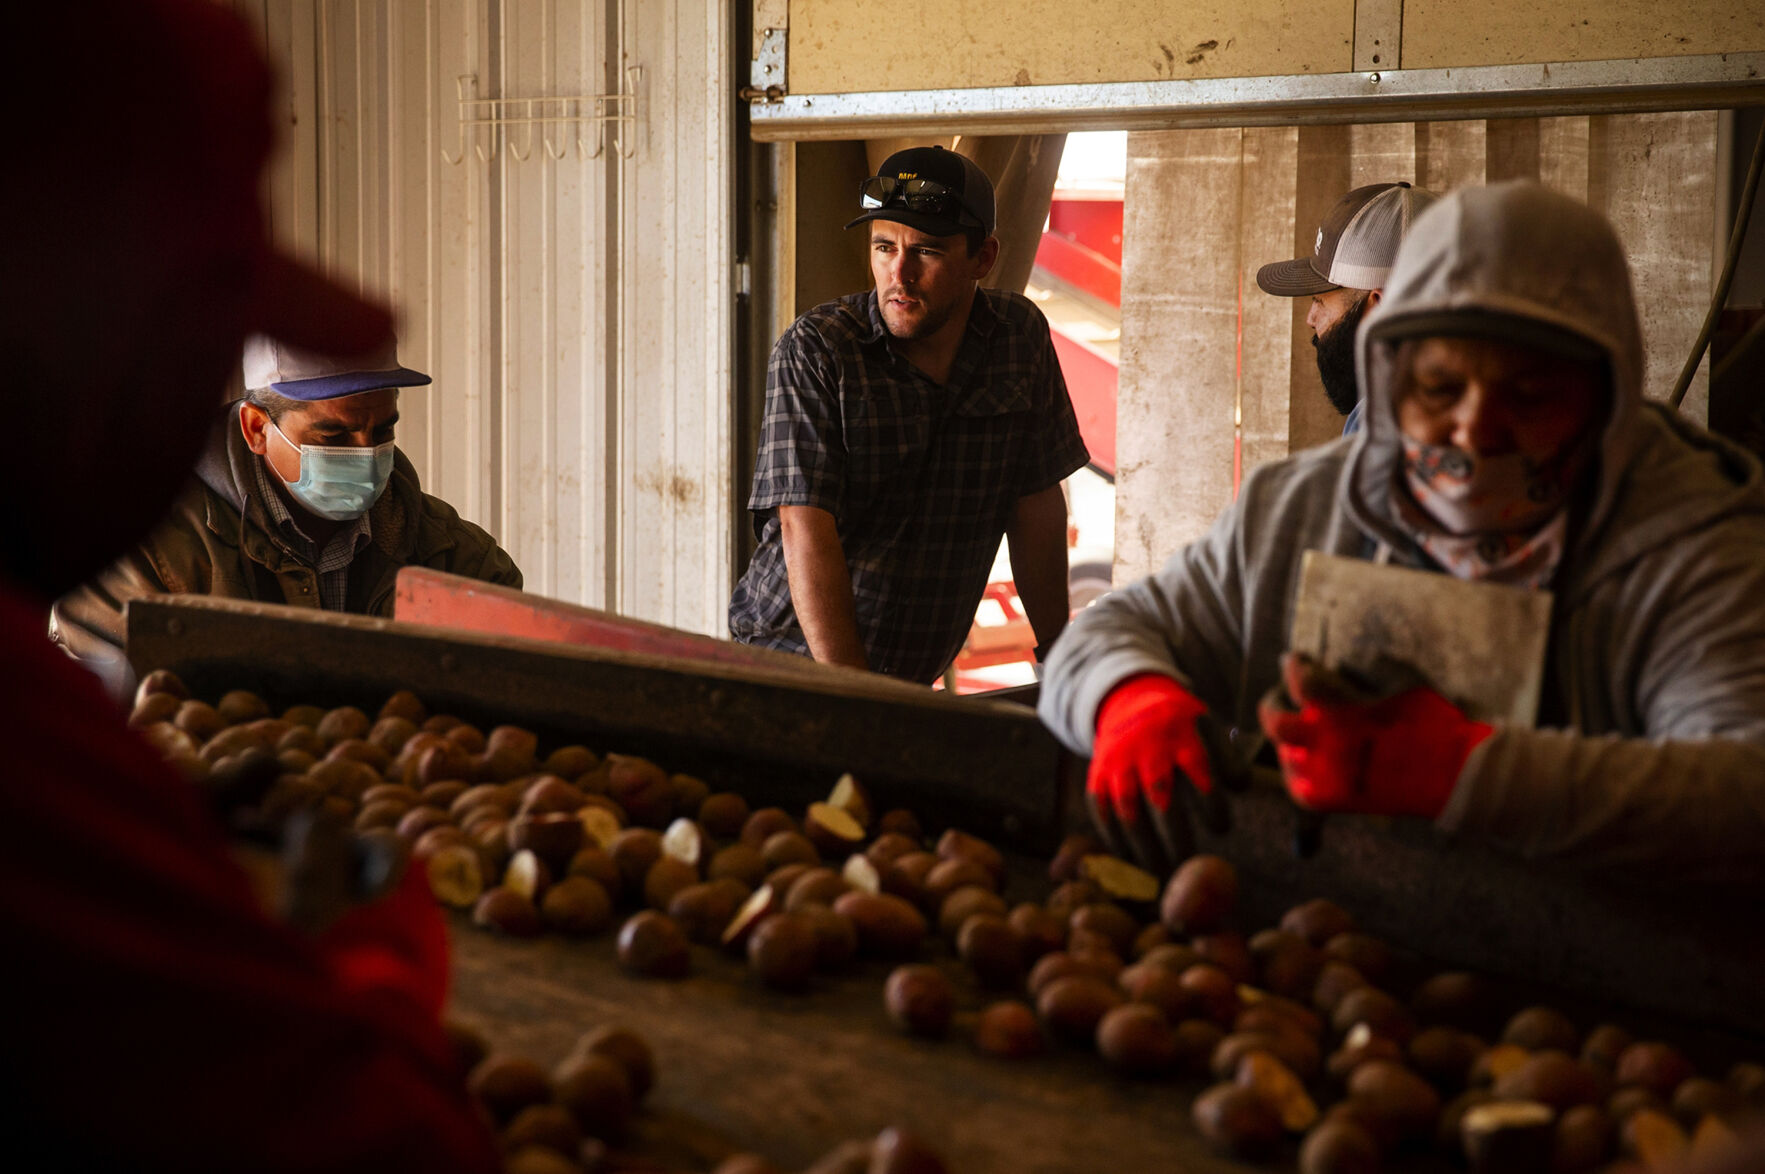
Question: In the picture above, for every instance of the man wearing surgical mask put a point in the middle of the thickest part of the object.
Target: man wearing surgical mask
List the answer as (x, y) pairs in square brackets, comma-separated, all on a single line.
[(300, 497), (1507, 441)]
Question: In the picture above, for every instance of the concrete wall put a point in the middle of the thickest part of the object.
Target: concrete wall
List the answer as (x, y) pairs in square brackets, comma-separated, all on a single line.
[(1205, 208)]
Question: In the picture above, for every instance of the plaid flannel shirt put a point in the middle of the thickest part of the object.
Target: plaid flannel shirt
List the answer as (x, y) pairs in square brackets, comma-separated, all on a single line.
[(921, 478), (332, 563)]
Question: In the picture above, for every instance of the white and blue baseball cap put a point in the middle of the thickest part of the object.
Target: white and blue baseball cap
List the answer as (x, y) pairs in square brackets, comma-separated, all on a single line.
[(301, 374)]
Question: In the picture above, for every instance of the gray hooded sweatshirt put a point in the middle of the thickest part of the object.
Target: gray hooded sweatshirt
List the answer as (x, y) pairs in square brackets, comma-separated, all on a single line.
[(1651, 751)]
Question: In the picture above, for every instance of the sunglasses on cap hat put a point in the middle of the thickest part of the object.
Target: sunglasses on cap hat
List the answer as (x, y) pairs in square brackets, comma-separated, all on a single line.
[(915, 195)]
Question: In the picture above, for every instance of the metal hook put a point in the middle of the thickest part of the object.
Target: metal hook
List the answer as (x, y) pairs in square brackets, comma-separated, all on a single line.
[(527, 125), (546, 141), (461, 83)]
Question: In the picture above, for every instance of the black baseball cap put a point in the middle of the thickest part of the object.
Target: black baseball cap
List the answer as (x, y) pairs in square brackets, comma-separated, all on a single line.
[(932, 189)]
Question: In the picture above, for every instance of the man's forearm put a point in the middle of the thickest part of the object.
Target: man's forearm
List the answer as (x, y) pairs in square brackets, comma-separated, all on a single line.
[(1037, 540), (821, 585)]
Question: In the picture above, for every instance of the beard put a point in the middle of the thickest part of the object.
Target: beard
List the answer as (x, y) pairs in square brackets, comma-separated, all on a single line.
[(1335, 349), (931, 319)]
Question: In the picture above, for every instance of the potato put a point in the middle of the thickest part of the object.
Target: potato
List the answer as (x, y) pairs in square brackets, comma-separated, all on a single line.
[(1653, 1138), (891, 846), (705, 910), (859, 873), (1008, 1030), (1116, 925), (836, 938), (1455, 998), (1496, 1063), (1216, 990), (1654, 1066), (570, 762), (1157, 987), (405, 704), (1335, 981), (1237, 1121), (1296, 1051), (1508, 1135), (1196, 1040), (360, 750), (1039, 930), (1274, 1012), (888, 927), (666, 877), (507, 912), (154, 707), (384, 813), (1227, 951), (765, 823), (964, 903), (633, 851), (1698, 1097), (418, 820), (834, 831), (597, 1091), (905, 876), (1339, 1146), (576, 905), (456, 876), (1580, 1140), (1398, 1096), (723, 814), (901, 822), (652, 945), (990, 947), (1317, 920), (1444, 1055), (1378, 1010), (952, 873), (443, 794), (959, 845), (762, 903), (1538, 1028), (1136, 1039), (1285, 963), (789, 847), (343, 723), (642, 789), (554, 837), (741, 862), (1119, 880), (1604, 1044), (781, 951), (549, 1127), (920, 1000), (625, 1048), (817, 886), (1200, 896), (1280, 1086), (469, 739), (199, 720), (1071, 1007), (1061, 964), (1551, 1077), (688, 843), (545, 795), (507, 1084)]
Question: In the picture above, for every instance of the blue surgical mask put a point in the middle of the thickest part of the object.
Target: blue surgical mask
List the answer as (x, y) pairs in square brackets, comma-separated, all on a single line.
[(339, 483)]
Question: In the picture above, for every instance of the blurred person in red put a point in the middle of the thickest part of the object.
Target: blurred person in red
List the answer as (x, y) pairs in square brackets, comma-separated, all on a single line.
[(162, 1019)]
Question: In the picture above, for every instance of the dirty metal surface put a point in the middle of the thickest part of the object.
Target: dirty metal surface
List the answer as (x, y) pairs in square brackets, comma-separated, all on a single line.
[(783, 736)]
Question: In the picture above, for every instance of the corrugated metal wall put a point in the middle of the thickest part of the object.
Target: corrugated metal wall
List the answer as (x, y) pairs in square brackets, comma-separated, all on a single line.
[(568, 292)]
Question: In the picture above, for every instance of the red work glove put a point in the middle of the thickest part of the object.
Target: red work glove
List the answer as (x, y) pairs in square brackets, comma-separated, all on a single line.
[(1148, 745), (396, 945), (1343, 749)]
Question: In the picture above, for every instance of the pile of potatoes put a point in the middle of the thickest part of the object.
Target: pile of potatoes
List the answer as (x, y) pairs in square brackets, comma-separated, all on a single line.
[(1313, 1031)]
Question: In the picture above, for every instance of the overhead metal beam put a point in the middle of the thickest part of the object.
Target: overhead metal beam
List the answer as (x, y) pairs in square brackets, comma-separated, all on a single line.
[(1404, 95)]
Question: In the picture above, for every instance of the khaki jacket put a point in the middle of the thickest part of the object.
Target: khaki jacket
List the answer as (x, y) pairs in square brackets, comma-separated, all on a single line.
[(218, 541)]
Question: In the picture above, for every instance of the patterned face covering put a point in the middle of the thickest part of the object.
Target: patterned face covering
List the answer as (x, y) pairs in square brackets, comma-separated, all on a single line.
[(1500, 518)]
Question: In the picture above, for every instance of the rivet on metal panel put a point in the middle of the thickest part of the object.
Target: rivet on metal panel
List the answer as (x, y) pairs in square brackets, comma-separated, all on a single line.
[(174, 627), (1373, 77), (449, 662)]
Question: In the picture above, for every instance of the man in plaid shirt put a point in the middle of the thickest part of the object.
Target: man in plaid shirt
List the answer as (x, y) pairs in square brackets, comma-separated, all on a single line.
[(908, 429)]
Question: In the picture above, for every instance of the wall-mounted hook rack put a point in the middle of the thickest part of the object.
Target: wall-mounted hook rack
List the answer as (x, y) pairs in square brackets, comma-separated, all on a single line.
[(491, 117)]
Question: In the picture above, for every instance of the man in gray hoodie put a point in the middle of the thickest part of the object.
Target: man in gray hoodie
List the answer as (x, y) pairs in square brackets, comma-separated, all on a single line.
[(1507, 440)]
